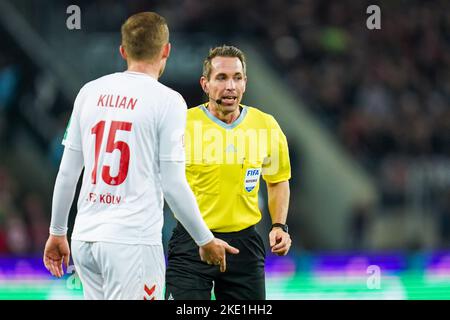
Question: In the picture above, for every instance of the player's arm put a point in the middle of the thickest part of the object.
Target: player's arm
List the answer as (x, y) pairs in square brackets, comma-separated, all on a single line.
[(176, 189), (182, 202), (57, 251), (64, 191)]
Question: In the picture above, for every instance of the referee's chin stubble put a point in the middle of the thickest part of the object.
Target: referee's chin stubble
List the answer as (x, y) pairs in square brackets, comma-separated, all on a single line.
[(227, 108)]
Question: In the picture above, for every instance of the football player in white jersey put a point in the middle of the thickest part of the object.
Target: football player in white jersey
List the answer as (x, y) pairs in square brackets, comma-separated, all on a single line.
[(126, 130)]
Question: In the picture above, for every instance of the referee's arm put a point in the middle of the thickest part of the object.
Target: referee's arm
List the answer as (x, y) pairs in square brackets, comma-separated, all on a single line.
[(278, 198)]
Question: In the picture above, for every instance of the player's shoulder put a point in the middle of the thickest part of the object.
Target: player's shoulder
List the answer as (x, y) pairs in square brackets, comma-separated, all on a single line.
[(94, 84), (98, 81), (148, 83), (172, 93), (166, 92)]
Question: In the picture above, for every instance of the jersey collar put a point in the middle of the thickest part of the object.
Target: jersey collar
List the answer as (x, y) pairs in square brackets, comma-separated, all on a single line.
[(135, 73), (224, 125)]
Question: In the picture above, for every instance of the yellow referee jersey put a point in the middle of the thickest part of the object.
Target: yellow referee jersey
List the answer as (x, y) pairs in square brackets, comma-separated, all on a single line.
[(225, 161)]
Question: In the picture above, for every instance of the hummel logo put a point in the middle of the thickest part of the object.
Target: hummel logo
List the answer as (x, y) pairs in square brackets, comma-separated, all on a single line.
[(149, 292)]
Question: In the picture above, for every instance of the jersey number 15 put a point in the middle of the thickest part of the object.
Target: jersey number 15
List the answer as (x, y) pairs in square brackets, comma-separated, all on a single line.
[(111, 145)]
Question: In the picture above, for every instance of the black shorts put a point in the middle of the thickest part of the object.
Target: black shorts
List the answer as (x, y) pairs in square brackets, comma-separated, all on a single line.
[(188, 278)]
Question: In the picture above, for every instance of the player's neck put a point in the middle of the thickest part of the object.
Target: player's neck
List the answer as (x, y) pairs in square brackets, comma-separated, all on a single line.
[(153, 70), (228, 118)]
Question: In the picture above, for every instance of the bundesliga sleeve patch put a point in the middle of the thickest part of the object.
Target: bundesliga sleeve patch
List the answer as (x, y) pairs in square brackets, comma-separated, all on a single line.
[(67, 129), (251, 178)]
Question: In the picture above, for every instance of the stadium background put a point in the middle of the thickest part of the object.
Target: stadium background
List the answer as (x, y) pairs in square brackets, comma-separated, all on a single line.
[(366, 113)]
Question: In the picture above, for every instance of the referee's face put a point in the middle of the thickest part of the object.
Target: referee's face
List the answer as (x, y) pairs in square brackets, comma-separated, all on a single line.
[(226, 82)]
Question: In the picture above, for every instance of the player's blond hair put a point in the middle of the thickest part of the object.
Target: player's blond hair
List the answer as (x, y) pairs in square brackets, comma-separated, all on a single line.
[(143, 36), (222, 51)]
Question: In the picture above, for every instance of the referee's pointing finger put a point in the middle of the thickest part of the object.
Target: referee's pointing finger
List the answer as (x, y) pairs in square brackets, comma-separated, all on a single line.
[(231, 249), (228, 249)]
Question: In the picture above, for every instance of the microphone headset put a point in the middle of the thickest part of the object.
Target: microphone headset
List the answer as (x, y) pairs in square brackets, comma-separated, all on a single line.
[(218, 101)]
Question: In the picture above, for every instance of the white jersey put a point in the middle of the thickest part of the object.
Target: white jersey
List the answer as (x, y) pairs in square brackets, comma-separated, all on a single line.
[(117, 122)]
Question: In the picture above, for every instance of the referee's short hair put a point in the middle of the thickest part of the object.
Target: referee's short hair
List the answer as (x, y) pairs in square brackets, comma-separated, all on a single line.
[(143, 35), (222, 51)]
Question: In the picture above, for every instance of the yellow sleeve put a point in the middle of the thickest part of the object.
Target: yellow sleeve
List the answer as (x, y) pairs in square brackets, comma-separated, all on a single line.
[(277, 166)]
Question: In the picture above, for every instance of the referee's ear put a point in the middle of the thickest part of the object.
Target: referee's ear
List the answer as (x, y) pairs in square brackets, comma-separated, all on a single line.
[(204, 85)]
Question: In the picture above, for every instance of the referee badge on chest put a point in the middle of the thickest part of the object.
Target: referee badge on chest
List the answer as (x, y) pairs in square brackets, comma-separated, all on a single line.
[(251, 178)]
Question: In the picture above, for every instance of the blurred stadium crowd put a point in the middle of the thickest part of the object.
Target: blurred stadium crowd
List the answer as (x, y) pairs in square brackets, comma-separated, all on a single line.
[(384, 94)]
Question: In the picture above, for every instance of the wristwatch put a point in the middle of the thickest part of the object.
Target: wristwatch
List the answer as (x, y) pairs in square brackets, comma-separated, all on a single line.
[(283, 227)]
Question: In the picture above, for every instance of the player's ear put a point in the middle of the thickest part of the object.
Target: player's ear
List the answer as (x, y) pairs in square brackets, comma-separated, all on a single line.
[(123, 53), (166, 50)]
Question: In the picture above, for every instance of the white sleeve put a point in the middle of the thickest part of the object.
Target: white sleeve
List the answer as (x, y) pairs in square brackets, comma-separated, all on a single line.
[(176, 190), (64, 191), (171, 130), (182, 201), (72, 136)]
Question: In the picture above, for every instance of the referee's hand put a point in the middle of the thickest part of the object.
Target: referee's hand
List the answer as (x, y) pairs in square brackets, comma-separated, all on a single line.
[(214, 253), (280, 241)]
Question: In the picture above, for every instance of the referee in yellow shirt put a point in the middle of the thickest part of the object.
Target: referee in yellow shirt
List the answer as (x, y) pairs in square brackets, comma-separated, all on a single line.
[(229, 146)]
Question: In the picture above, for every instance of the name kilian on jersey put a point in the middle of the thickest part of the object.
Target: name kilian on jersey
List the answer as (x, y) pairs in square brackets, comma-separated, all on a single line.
[(106, 198), (113, 101)]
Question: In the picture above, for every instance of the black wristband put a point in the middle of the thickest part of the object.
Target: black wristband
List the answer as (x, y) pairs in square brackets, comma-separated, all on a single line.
[(283, 227)]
